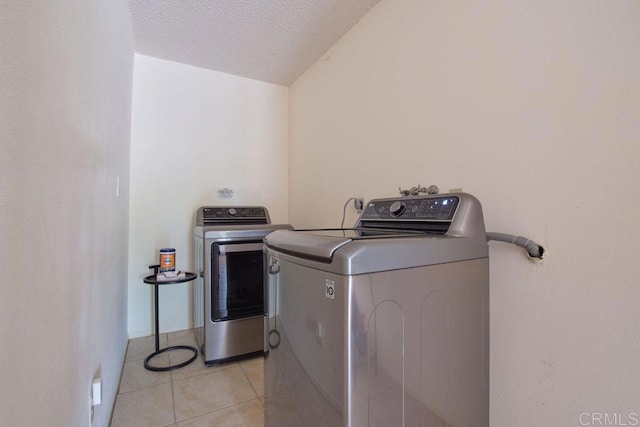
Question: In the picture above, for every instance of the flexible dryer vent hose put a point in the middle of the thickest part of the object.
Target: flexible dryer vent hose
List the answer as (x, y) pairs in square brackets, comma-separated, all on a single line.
[(533, 249)]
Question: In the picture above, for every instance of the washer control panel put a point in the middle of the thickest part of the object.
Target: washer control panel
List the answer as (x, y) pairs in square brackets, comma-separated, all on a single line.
[(417, 209)]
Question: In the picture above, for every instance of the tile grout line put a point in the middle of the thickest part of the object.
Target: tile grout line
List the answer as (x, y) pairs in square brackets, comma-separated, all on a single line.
[(219, 409), (173, 395), (173, 399), (246, 377), (235, 364)]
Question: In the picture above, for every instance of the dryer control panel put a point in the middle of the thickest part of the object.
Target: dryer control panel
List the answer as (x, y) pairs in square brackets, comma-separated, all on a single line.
[(224, 215)]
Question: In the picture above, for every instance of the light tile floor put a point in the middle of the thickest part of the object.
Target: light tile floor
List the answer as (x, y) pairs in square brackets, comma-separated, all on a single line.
[(229, 394)]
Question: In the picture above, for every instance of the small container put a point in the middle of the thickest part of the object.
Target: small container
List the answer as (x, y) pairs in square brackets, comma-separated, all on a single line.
[(167, 259)]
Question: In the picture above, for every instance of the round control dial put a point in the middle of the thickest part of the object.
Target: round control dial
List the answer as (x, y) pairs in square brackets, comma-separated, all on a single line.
[(397, 208), (232, 212)]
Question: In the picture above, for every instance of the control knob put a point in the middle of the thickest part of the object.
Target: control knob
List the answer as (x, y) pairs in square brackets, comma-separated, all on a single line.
[(397, 208), (232, 212)]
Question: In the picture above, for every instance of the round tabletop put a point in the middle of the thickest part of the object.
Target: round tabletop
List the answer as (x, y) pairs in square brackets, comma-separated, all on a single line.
[(152, 279)]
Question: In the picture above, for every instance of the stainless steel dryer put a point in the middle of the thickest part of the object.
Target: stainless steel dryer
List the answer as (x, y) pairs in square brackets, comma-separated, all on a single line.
[(386, 324), (229, 294)]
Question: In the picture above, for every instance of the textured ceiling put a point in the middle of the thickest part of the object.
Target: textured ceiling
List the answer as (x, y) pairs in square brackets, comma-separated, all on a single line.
[(270, 40)]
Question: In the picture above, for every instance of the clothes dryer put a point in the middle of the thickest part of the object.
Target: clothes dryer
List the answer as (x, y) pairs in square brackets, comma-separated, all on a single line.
[(229, 294)]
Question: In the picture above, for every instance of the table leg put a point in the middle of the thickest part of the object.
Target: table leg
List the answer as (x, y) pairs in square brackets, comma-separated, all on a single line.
[(157, 316)]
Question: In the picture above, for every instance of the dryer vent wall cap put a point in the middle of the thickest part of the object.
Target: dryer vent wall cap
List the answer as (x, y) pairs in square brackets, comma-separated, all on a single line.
[(538, 260)]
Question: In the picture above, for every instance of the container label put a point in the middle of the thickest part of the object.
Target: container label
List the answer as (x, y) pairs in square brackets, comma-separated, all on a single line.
[(167, 261)]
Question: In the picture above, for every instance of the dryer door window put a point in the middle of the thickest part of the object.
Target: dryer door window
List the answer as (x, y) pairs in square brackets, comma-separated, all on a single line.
[(237, 286)]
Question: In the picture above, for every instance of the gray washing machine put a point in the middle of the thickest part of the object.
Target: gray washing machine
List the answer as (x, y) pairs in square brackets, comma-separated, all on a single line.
[(385, 324)]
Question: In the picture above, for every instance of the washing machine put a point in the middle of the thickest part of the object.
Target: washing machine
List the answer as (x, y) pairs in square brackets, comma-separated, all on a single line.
[(385, 324)]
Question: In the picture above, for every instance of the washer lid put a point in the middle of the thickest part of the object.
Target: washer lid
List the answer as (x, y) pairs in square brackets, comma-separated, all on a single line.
[(362, 254), (362, 233), (322, 243), (312, 245)]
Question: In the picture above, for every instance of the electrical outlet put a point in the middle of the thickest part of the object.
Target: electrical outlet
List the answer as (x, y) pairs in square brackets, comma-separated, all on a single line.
[(95, 395), (358, 203), (96, 391), (91, 405)]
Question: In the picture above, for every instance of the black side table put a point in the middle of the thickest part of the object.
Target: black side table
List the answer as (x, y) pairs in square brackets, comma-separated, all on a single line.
[(152, 280)]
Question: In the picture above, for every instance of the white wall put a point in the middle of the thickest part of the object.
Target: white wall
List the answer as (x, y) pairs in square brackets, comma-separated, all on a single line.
[(533, 107), (65, 91), (195, 131)]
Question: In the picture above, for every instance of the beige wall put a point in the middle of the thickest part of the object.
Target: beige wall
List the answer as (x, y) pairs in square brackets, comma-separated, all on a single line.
[(195, 131), (65, 91), (532, 107)]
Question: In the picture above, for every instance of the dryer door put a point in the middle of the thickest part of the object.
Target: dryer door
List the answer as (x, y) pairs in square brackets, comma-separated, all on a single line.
[(236, 282)]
